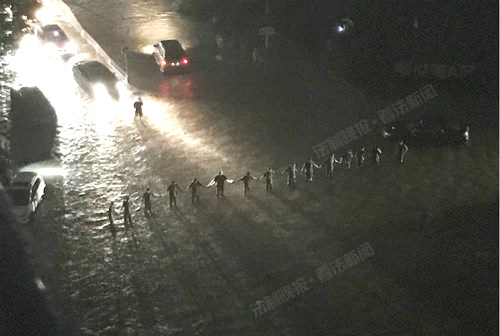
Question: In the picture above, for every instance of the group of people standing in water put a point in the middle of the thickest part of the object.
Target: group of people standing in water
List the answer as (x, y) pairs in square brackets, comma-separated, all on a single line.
[(220, 179)]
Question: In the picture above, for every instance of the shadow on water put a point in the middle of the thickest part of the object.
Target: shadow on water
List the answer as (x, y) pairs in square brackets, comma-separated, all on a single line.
[(218, 263), (263, 256), (129, 232), (132, 255), (266, 207), (258, 251), (227, 274), (320, 222), (154, 226)]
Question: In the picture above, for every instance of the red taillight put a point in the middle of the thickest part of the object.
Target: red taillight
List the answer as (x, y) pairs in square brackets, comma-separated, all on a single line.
[(184, 61), (163, 62)]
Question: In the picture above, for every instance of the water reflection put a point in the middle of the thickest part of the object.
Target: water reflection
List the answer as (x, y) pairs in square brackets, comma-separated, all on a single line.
[(47, 169), (104, 154)]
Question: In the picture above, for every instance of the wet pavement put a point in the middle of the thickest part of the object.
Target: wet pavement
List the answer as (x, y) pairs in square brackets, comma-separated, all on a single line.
[(199, 270)]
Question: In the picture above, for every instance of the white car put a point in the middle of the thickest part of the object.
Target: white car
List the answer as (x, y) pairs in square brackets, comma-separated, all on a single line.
[(25, 193), (55, 41)]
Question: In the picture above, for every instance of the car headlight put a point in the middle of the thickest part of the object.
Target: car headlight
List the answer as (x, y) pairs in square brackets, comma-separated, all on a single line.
[(148, 49), (122, 89), (100, 90), (70, 47), (50, 47)]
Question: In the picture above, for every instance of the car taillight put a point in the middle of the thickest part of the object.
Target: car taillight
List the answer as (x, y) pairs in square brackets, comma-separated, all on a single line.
[(163, 62), (185, 61)]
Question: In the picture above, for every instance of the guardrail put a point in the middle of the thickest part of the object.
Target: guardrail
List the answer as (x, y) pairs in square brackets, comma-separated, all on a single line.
[(68, 14)]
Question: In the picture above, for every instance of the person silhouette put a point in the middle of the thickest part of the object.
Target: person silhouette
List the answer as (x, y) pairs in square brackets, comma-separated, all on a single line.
[(138, 108), (219, 180), (308, 168), (246, 182), (193, 186), (172, 193)]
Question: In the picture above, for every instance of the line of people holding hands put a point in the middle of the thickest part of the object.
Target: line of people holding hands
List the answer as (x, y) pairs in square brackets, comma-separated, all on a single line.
[(291, 171)]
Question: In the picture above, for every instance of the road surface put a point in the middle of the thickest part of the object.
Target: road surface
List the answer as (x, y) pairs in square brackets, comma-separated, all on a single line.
[(218, 268)]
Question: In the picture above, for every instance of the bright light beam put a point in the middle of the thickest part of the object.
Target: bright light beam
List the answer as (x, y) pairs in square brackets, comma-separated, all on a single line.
[(49, 11), (45, 168)]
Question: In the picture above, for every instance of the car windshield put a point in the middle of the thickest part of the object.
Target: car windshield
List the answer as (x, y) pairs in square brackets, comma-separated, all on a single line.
[(19, 196), (21, 184), (96, 71), (54, 33)]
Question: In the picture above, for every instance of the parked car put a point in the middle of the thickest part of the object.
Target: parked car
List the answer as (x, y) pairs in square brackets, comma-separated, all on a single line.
[(94, 77), (25, 192), (428, 130), (171, 57), (34, 125), (54, 40)]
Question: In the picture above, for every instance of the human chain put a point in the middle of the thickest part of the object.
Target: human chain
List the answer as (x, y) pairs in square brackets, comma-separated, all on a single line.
[(385, 115), (220, 179)]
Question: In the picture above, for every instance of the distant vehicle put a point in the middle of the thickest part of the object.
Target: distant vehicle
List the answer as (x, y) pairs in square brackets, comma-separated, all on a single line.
[(25, 193), (55, 40), (171, 57), (428, 130), (94, 77)]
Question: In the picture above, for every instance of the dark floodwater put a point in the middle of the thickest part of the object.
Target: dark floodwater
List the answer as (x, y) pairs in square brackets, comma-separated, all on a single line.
[(193, 271)]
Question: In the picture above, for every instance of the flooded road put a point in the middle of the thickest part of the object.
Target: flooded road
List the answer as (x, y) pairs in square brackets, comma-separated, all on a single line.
[(201, 270), (154, 278)]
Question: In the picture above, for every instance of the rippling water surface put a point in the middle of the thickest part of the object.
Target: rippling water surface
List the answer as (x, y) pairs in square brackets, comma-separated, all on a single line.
[(102, 286), (195, 270)]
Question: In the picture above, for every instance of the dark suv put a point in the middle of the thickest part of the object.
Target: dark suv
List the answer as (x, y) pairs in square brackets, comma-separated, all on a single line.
[(171, 57), (428, 130)]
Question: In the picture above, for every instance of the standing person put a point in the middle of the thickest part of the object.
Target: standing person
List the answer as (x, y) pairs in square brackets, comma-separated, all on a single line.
[(308, 168), (246, 182), (147, 202), (193, 186), (172, 193), (269, 179), (377, 153), (219, 181), (402, 149), (361, 157), (329, 163), (348, 156), (138, 108), (110, 212), (127, 219), (292, 174)]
